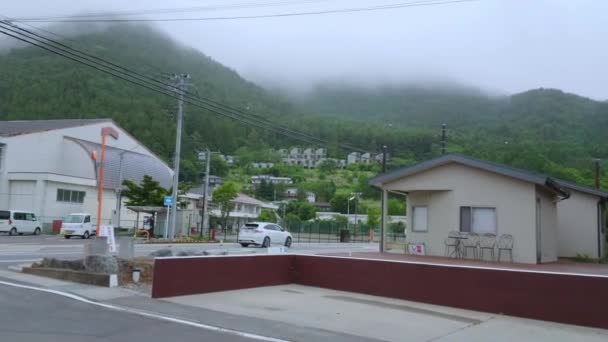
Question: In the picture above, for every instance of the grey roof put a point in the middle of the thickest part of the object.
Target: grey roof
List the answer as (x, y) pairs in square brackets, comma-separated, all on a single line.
[(504, 170), (134, 165), (12, 128)]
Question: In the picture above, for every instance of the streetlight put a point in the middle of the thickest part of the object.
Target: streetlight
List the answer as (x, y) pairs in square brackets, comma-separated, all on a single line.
[(348, 212)]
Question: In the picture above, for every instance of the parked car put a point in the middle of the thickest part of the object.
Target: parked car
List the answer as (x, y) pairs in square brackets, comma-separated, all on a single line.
[(19, 222), (77, 224), (263, 234)]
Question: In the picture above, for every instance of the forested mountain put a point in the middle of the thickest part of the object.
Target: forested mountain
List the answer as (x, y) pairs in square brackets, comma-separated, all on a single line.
[(543, 130)]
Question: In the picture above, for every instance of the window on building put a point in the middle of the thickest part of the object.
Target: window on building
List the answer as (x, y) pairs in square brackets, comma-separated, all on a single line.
[(70, 196), (479, 220), (419, 219)]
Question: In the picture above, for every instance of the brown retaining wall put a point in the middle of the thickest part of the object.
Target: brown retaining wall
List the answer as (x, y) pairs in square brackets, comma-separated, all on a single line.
[(564, 298), (184, 276)]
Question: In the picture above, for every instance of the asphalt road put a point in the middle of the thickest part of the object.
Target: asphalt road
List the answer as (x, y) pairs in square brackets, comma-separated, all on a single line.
[(32, 316), (27, 249)]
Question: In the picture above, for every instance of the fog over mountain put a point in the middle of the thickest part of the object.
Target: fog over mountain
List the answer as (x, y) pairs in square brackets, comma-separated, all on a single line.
[(496, 45)]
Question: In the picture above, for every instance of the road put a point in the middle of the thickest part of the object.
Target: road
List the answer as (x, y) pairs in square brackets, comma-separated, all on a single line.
[(27, 249), (32, 316)]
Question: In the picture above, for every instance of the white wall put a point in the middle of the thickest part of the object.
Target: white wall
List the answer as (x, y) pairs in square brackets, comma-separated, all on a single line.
[(548, 225), (36, 165), (577, 225), (446, 188)]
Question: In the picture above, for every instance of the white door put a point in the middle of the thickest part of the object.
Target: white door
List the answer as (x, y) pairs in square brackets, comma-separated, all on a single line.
[(275, 234), (88, 226), (30, 223), (19, 222)]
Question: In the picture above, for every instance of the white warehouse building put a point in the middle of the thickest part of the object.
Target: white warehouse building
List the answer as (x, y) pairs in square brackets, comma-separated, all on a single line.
[(46, 167)]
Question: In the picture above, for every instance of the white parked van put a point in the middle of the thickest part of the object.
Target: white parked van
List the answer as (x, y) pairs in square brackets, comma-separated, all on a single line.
[(19, 222), (77, 224)]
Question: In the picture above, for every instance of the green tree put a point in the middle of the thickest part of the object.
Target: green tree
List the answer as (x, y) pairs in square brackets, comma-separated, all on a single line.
[(396, 207), (328, 166), (218, 166), (341, 221), (340, 203), (291, 221), (373, 217), (304, 210), (147, 193), (265, 190), (223, 196), (307, 211), (267, 216)]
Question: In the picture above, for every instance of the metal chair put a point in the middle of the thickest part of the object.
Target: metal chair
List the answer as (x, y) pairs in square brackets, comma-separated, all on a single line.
[(451, 242), (505, 243), (487, 242), (471, 242)]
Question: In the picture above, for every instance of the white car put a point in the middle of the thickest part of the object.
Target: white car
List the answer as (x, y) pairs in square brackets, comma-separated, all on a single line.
[(19, 222), (78, 224), (264, 234)]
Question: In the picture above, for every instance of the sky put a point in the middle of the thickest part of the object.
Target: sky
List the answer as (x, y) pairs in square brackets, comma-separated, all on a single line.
[(502, 46)]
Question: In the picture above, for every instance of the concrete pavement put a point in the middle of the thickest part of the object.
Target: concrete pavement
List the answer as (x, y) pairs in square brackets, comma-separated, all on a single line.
[(386, 319)]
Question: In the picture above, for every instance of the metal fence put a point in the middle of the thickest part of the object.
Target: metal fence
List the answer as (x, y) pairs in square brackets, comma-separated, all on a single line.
[(331, 232)]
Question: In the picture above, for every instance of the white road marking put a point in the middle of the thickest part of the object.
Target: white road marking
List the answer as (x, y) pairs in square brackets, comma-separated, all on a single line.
[(149, 314), (20, 260)]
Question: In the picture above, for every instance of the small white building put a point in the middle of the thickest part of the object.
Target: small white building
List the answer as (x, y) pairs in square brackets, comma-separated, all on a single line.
[(547, 217), (46, 167)]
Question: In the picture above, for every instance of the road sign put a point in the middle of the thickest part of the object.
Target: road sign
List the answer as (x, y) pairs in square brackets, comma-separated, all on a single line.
[(168, 201)]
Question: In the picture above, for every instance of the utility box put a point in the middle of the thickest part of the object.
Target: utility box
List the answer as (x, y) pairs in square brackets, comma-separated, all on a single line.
[(344, 235)]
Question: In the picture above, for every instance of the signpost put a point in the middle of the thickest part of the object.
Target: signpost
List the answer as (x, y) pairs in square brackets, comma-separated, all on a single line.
[(168, 202), (108, 232)]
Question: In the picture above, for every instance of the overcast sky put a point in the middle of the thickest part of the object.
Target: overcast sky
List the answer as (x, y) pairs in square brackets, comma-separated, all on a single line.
[(500, 45)]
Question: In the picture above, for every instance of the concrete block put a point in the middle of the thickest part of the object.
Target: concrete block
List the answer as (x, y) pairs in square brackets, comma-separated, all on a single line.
[(82, 277), (126, 247), (97, 246)]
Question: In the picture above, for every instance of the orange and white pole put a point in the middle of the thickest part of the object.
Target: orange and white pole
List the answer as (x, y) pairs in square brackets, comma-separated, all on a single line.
[(104, 133)]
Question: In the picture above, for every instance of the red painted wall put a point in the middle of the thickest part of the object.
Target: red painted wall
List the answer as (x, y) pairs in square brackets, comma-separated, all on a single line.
[(562, 298), (552, 297), (184, 276)]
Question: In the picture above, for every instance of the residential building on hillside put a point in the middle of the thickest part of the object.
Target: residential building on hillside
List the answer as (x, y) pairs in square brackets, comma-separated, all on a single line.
[(46, 168), (214, 182), (366, 158), (256, 180), (262, 165), (307, 157), (246, 209), (228, 159)]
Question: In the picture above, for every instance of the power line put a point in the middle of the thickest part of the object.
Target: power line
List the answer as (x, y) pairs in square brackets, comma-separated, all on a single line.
[(177, 10), (276, 15), (155, 85)]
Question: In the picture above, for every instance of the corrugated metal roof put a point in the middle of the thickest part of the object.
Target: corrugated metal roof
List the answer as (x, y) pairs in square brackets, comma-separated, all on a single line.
[(134, 165), (504, 170), (12, 128)]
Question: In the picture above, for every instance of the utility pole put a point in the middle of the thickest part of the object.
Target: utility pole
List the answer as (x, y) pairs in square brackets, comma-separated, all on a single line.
[(205, 224), (181, 84), (596, 169), (119, 190), (443, 138), (383, 204)]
